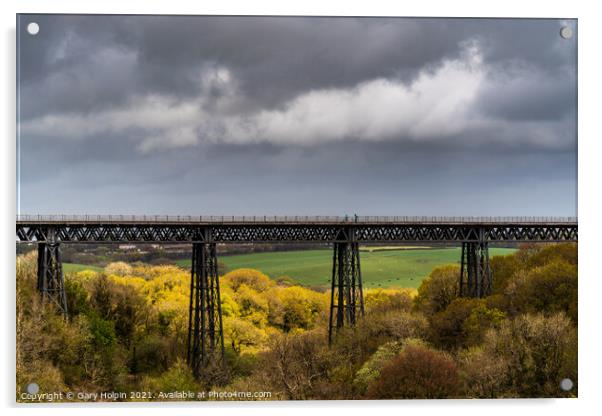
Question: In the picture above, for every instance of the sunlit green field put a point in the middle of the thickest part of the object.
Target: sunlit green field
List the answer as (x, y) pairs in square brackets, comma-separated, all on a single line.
[(403, 268)]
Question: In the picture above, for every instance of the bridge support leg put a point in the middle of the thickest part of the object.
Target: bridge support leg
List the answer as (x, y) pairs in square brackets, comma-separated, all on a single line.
[(205, 330), (475, 272), (51, 282), (346, 296)]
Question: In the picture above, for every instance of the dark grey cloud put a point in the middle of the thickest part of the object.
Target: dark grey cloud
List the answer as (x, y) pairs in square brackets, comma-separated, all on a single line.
[(189, 114), (274, 58)]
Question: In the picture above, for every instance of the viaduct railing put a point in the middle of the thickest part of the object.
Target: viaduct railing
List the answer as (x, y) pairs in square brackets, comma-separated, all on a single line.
[(293, 219)]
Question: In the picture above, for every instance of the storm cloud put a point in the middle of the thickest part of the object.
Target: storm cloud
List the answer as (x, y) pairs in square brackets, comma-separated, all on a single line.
[(297, 115)]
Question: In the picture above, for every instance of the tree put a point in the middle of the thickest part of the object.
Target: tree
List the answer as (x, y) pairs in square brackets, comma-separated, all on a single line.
[(252, 305), (539, 352), (249, 277), (503, 269), (371, 369), (240, 333), (438, 290), (295, 307), (528, 257), (359, 343), (77, 296), (129, 312), (463, 322), (102, 296), (418, 372), (118, 268), (151, 353), (481, 318), (548, 288), (388, 299), (565, 252), (296, 363), (484, 375)]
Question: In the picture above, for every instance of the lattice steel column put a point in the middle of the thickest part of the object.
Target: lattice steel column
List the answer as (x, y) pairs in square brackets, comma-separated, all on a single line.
[(475, 271), (205, 330), (51, 282), (346, 296)]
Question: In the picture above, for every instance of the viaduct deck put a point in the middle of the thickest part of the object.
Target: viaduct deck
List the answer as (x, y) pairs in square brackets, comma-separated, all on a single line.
[(269, 229)]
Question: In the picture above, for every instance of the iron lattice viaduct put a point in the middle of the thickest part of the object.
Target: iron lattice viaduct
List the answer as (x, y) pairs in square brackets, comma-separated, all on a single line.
[(205, 332)]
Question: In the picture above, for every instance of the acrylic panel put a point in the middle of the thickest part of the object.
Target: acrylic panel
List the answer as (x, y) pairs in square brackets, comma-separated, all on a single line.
[(295, 208)]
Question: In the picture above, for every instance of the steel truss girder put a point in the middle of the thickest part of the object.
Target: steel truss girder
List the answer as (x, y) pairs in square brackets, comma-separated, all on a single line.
[(51, 282), (205, 329), (346, 296), (451, 233), (312, 233), (475, 270)]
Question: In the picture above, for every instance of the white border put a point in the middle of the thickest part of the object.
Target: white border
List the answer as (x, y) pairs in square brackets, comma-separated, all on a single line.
[(590, 30)]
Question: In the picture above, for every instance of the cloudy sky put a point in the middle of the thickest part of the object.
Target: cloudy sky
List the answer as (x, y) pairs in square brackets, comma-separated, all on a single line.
[(323, 116)]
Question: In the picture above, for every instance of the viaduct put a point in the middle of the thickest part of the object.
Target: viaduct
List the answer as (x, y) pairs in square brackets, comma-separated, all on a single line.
[(345, 234)]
